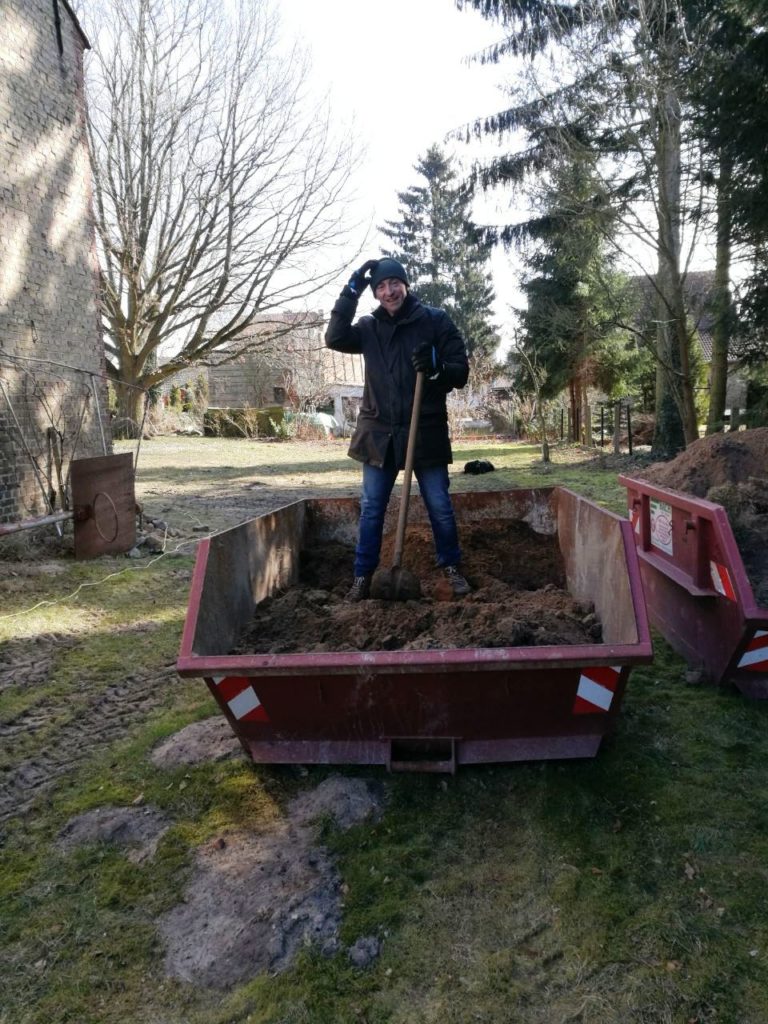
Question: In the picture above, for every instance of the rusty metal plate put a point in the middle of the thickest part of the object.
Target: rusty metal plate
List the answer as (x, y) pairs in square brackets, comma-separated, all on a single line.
[(104, 505)]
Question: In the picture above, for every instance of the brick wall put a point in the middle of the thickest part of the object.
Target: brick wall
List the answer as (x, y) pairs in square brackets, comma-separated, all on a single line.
[(52, 393)]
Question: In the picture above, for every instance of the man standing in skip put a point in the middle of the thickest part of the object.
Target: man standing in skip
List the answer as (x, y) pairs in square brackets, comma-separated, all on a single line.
[(401, 337)]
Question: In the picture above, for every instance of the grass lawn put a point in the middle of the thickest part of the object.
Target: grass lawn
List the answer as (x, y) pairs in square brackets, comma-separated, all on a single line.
[(629, 888)]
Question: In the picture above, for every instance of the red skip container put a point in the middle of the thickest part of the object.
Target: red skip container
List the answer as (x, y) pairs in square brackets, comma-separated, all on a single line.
[(696, 587), (417, 710)]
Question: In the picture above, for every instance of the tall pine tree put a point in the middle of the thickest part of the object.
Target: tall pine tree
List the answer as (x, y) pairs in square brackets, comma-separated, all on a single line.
[(575, 297), (444, 251)]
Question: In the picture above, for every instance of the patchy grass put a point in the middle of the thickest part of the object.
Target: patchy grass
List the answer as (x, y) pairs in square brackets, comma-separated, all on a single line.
[(630, 888)]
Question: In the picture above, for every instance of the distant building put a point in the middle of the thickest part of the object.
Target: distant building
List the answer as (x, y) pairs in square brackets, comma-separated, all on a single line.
[(699, 286), (282, 360), (52, 388)]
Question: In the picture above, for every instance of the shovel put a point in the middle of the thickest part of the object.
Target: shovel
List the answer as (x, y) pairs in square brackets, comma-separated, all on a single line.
[(398, 584)]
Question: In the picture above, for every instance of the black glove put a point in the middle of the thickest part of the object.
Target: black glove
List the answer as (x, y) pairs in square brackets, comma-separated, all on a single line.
[(425, 360), (359, 282)]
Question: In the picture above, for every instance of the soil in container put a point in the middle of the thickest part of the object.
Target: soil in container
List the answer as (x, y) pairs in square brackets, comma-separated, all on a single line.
[(518, 599)]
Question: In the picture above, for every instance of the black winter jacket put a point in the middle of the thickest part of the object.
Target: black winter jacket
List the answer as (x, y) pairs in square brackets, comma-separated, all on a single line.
[(386, 344)]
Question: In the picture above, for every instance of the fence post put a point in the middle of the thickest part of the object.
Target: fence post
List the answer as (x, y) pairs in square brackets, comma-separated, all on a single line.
[(629, 427)]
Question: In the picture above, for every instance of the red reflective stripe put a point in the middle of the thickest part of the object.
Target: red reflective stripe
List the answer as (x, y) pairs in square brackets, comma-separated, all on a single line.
[(755, 658), (230, 686), (604, 675), (257, 715), (583, 707), (722, 580), (595, 689)]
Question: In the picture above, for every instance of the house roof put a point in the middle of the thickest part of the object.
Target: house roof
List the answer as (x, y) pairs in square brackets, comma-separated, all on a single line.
[(699, 286)]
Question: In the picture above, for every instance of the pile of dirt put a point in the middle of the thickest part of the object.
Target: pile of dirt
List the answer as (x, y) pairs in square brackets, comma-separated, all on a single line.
[(730, 470), (712, 462), (518, 599)]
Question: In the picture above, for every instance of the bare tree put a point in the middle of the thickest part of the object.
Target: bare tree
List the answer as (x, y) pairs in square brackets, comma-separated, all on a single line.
[(216, 184)]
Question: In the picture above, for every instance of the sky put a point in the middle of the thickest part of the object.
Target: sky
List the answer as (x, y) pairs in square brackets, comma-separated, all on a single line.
[(399, 69), (397, 72)]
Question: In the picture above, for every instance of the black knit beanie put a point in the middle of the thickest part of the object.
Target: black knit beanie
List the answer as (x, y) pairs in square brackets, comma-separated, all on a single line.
[(387, 268)]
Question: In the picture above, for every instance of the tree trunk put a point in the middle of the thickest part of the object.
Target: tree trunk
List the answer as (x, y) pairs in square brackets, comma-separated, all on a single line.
[(586, 416), (668, 436), (675, 408), (573, 397), (721, 303), (129, 418)]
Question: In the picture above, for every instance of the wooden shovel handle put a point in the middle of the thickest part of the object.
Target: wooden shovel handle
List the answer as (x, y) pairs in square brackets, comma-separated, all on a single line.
[(408, 471)]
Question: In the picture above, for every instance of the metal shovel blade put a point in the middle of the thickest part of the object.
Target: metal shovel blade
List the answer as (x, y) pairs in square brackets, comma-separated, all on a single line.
[(396, 584)]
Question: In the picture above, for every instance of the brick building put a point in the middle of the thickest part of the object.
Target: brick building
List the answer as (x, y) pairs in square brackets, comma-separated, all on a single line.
[(52, 384), (282, 360)]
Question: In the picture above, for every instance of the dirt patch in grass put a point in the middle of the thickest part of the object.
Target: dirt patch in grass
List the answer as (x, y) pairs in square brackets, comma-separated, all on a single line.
[(255, 899), (139, 828), (210, 740), (730, 470), (518, 599)]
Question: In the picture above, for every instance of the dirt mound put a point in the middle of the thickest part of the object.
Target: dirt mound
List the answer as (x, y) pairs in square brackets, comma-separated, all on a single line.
[(730, 470), (747, 507), (518, 599), (712, 462)]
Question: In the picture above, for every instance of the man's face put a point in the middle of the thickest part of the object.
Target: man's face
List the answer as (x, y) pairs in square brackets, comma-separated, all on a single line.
[(391, 293)]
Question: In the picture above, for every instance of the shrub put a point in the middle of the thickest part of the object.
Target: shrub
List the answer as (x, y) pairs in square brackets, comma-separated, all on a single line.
[(245, 422)]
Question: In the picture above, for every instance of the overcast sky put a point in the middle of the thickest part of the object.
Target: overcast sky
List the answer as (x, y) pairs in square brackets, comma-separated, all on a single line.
[(398, 69)]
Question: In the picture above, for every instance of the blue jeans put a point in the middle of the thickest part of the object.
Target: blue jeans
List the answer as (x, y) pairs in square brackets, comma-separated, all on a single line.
[(377, 487)]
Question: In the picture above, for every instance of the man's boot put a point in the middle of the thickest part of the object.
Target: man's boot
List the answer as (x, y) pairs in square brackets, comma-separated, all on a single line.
[(459, 585), (360, 589)]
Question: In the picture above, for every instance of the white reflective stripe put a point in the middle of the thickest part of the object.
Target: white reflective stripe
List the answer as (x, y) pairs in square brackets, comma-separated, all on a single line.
[(716, 580), (218, 679), (753, 657), (760, 632), (244, 702), (594, 693)]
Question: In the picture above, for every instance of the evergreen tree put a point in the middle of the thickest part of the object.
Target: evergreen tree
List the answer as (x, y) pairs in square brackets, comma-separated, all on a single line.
[(621, 101), (732, 118), (445, 253), (576, 299)]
